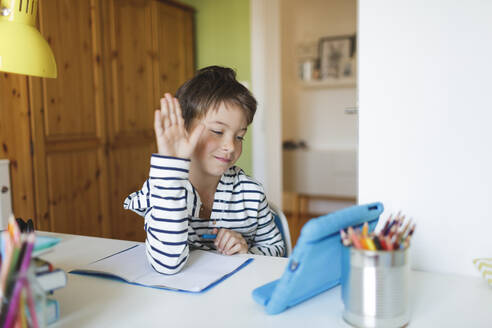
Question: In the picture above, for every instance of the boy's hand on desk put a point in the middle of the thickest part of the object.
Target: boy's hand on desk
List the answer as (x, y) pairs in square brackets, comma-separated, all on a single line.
[(171, 135), (229, 242)]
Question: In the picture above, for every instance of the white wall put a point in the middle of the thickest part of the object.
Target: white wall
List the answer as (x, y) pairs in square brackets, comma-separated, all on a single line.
[(265, 79), (425, 118)]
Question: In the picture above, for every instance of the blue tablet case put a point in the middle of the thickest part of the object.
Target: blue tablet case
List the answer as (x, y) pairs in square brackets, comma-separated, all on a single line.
[(315, 263)]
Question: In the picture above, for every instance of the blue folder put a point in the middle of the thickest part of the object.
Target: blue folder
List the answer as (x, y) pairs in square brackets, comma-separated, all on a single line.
[(42, 244), (315, 263)]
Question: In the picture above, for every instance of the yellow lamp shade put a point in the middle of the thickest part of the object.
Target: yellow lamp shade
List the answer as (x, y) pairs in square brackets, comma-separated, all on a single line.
[(23, 50)]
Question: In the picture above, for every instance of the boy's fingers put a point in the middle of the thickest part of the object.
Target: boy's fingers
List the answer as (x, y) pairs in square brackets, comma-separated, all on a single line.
[(172, 109), (230, 244), (223, 240), (240, 246), (179, 114), (164, 107), (235, 249), (165, 113), (195, 135), (157, 122), (166, 123), (220, 233)]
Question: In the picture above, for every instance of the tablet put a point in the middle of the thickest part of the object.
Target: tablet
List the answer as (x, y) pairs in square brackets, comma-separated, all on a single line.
[(315, 263)]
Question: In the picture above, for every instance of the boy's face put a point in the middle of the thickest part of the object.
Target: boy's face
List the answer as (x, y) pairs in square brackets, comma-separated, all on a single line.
[(221, 143)]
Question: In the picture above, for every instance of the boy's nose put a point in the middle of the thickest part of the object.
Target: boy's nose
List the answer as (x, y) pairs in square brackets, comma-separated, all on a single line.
[(228, 145)]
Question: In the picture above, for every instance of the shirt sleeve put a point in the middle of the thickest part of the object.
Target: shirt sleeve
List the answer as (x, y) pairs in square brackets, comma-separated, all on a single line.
[(268, 239), (163, 202)]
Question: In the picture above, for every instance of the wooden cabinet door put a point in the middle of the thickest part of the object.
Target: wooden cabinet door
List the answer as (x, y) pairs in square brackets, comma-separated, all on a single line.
[(173, 39), (138, 70), (68, 125), (130, 54), (15, 141)]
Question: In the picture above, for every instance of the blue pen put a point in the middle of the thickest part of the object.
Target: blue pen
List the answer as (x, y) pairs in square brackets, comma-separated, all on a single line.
[(209, 236)]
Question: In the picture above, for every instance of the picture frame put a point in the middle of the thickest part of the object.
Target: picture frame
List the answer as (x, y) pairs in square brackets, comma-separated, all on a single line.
[(337, 57)]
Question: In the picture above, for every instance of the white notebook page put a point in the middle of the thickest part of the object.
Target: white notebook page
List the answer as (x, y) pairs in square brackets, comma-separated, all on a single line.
[(202, 269)]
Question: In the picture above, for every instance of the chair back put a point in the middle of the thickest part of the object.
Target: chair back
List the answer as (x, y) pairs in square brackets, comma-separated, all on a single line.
[(282, 225)]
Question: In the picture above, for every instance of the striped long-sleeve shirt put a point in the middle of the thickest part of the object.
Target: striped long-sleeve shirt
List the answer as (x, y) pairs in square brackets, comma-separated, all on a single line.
[(170, 205)]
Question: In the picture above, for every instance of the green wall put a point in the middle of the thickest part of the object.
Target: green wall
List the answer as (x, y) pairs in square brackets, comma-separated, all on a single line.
[(223, 38)]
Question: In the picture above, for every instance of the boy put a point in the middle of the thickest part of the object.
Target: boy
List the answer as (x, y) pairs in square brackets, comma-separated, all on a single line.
[(194, 189)]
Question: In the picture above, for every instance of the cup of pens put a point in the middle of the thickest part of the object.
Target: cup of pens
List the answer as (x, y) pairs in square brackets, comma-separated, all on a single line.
[(22, 299), (375, 273)]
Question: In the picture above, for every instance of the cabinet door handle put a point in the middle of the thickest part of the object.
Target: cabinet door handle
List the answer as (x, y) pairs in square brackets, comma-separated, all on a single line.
[(5, 189), (351, 110)]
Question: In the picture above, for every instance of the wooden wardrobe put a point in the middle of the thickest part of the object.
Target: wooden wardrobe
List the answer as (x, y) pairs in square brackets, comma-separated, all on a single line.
[(80, 143)]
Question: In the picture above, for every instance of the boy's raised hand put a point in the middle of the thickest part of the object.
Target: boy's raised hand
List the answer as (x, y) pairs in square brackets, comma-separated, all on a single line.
[(171, 135)]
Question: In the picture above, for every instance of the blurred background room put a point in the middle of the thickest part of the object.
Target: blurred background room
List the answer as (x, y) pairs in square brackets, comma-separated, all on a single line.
[(77, 145)]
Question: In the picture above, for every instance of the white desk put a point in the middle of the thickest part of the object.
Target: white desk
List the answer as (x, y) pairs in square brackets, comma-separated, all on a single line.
[(437, 300)]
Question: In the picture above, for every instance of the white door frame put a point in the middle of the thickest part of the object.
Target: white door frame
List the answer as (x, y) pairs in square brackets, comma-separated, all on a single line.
[(266, 86)]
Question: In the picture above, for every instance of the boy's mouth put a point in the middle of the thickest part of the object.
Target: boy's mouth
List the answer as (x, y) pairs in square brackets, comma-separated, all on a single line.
[(223, 159)]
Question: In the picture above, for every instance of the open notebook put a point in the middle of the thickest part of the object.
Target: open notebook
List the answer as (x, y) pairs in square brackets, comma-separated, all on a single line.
[(202, 271)]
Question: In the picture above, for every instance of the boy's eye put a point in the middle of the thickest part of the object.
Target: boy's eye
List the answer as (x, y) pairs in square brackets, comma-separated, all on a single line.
[(240, 138), (217, 132)]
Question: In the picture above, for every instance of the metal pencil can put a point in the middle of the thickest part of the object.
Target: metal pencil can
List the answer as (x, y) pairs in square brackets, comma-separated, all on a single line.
[(375, 287)]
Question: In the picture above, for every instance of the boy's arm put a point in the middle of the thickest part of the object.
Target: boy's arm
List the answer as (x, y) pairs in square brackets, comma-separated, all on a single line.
[(267, 240), (166, 223), (166, 212)]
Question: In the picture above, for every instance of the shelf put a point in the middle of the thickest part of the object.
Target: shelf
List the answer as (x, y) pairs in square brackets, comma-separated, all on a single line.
[(329, 84)]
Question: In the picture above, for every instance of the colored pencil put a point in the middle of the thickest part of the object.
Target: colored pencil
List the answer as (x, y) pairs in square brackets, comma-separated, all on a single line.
[(386, 224), (344, 237), (382, 242), (370, 244), (21, 282), (389, 244), (32, 307), (13, 229), (377, 243), (395, 234), (365, 229), (22, 312), (389, 227), (354, 238)]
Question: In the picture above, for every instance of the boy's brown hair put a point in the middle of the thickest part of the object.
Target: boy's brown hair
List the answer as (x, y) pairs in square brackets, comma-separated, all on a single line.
[(212, 86)]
